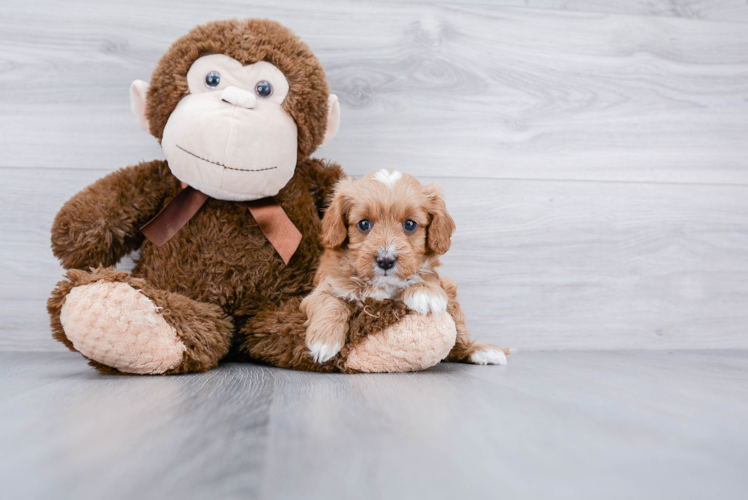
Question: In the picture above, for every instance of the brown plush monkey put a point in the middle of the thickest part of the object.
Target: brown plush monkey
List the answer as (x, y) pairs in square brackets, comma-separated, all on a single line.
[(238, 106), (228, 227)]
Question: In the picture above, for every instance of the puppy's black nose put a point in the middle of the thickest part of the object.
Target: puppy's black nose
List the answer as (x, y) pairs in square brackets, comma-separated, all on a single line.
[(386, 262)]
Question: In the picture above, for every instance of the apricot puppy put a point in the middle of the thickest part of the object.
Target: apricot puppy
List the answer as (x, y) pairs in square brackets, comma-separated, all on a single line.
[(383, 236)]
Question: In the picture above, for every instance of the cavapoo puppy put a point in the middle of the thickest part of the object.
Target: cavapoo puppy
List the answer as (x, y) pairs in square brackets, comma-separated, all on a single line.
[(383, 236)]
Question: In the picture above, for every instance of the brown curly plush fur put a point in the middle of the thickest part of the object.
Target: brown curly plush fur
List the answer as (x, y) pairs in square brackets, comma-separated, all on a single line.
[(219, 270), (278, 336), (219, 258)]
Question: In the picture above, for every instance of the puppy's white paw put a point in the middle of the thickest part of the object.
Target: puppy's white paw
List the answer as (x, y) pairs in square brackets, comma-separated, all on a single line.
[(322, 353), (424, 302), (488, 357)]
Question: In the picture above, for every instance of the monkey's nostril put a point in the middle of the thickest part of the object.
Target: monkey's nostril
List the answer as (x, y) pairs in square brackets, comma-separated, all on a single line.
[(386, 263)]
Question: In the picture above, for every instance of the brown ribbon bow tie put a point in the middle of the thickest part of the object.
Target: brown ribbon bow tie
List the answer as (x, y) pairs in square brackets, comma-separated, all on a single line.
[(270, 216)]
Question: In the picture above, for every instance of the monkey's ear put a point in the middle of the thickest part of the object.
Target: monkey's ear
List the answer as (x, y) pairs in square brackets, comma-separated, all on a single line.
[(138, 89), (333, 119)]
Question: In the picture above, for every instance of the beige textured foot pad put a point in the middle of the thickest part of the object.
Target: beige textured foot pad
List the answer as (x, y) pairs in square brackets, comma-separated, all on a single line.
[(118, 326), (415, 343)]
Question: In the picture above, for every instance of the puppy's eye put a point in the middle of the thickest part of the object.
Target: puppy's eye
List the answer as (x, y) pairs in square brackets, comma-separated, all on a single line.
[(213, 79), (410, 226), (364, 225)]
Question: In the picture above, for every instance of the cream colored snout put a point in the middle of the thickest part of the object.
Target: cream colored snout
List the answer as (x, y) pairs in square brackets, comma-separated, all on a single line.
[(239, 97)]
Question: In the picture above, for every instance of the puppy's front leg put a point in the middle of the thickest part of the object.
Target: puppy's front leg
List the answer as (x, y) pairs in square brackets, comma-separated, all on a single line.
[(327, 324), (424, 298)]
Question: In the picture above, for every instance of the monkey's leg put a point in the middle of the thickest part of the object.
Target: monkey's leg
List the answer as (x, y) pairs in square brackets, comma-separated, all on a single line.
[(467, 350), (123, 324), (278, 336)]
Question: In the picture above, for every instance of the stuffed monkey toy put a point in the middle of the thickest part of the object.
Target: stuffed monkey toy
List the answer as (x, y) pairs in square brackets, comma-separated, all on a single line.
[(227, 227)]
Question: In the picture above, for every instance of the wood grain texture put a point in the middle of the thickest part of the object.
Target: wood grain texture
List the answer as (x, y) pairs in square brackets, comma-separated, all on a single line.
[(665, 425), (436, 89), (593, 153), (161, 435), (539, 264), (713, 10)]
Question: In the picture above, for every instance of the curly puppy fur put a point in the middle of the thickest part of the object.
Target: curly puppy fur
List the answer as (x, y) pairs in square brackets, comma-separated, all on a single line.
[(393, 256), (355, 296), (219, 269), (384, 260)]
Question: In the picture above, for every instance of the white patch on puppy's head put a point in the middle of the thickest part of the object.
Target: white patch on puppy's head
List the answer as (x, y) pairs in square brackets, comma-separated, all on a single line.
[(388, 177)]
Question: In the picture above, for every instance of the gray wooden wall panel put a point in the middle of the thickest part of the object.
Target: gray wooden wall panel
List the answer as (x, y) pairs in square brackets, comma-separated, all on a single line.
[(714, 10), (435, 89), (540, 264), (593, 153)]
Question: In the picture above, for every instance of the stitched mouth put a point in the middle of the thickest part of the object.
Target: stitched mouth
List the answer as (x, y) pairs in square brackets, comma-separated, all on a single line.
[(225, 166)]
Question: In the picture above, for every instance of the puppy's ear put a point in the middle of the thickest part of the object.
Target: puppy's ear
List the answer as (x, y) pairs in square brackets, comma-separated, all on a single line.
[(334, 222), (439, 232)]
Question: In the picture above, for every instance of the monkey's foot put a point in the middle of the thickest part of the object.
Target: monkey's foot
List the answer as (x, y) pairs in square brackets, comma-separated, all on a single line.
[(116, 325)]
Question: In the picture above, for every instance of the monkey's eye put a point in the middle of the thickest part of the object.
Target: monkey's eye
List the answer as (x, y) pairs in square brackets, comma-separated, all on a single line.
[(264, 89), (364, 225), (410, 226), (212, 79)]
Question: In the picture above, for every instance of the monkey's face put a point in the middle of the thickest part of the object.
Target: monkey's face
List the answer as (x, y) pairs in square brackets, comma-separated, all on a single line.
[(230, 138)]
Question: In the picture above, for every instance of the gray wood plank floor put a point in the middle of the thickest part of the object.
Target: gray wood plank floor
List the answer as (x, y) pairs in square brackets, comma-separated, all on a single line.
[(645, 425)]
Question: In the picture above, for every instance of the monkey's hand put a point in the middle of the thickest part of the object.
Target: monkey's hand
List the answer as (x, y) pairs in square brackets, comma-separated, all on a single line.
[(425, 298), (101, 224)]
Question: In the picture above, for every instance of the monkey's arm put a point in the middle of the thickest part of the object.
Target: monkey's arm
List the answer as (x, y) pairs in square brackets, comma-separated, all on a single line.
[(101, 224), (321, 176)]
